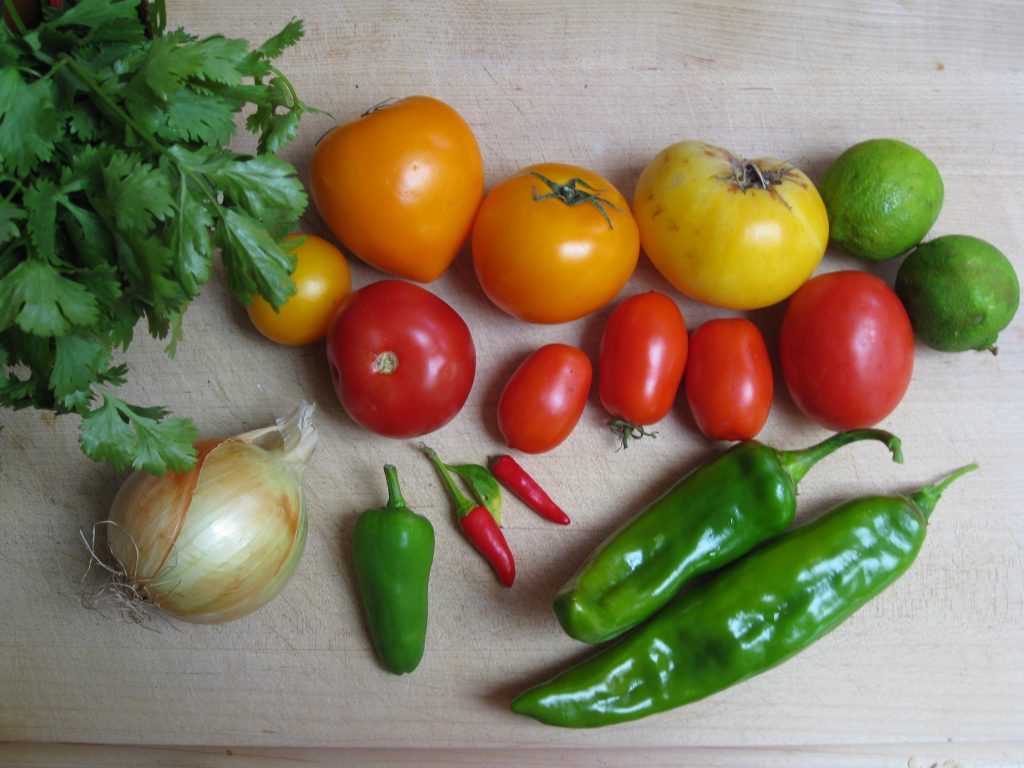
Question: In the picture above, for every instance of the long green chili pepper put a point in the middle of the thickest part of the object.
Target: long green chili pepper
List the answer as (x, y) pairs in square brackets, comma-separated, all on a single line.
[(749, 617), (394, 551), (710, 517)]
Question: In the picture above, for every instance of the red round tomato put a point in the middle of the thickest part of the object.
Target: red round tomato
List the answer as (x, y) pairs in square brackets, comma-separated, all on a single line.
[(642, 359), (545, 397), (729, 384), (847, 349), (402, 360)]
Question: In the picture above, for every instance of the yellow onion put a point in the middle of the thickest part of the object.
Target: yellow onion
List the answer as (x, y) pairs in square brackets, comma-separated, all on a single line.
[(217, 542)]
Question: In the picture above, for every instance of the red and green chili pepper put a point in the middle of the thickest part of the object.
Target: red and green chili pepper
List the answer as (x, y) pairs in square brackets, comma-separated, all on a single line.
[(478, 525), (746, 619), (511, 474)]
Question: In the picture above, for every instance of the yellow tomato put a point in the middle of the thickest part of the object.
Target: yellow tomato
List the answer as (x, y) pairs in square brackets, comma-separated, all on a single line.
[(553, 243), (399, 186), (322, 283), (734, 233)]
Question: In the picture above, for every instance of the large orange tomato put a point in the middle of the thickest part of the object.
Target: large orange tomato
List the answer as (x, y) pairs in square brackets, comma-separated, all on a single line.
[(735, 233), (400, 186), (553, 243), (322, 283)]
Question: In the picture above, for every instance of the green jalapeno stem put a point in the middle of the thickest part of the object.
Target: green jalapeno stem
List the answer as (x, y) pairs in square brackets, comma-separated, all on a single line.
[(747, 618), (710, 517), (796, 463)]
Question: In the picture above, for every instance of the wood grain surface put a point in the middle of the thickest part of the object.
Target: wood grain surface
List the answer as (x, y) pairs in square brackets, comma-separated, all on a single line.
[(929, 674)]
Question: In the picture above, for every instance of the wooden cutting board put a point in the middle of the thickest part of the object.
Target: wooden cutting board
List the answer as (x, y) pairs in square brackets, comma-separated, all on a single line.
[(932, 672)]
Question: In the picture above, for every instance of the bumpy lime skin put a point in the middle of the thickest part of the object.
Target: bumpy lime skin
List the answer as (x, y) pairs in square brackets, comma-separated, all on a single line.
[(959, 291), (882, 197)]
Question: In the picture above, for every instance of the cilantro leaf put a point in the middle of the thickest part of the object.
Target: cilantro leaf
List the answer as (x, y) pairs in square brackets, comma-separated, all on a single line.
[(10, 215), (265, 187), (104, 435), (41, 204), (256, 262), (44, 302), (190, 238), (280, 130), (194, 117), (96, 15), (286, 38), (164, 444), (146, 439), (29, 122), (77, 364), (135, 193)]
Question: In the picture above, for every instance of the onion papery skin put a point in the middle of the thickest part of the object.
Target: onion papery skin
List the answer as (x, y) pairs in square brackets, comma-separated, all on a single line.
[(220, 541)]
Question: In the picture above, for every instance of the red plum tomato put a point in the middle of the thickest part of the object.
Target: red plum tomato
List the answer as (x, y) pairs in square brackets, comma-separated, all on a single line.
[(846, 349), (729, 385), (544, 398), (402, 360), (642, 358)]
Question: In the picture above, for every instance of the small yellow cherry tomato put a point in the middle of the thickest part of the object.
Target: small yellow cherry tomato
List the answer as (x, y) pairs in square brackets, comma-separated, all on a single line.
[(733, 233), (322, 282)]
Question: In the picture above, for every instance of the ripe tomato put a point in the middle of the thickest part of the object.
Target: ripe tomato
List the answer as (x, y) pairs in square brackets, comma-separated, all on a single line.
[(729, 384), (545, 397), (400, 186), (847, 349), (553, 243), (741, 234), (322, 281), (641, 362), (402, 360)]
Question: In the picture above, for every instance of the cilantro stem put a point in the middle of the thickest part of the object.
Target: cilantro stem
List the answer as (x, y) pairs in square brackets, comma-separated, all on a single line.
[(12, 13), (187, 173)]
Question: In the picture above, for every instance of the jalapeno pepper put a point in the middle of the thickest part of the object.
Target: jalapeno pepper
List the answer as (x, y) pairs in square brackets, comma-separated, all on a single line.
[(394, 551), (710, 517), (751, 616)]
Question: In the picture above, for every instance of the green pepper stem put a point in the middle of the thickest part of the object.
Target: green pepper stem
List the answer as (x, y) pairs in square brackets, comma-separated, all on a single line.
[(395, 499), (463, 506), (926, 498), (796, 463)]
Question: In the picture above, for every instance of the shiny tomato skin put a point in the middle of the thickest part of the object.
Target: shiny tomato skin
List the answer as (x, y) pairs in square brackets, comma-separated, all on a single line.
[(322, 282), (721, 237), (846, 349), (402, 360), (544, 398), (729, 386), (545, 261), (642, 358), (400, 186)]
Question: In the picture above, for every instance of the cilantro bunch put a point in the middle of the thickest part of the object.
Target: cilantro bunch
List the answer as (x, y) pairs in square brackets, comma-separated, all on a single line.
[(116, 188)]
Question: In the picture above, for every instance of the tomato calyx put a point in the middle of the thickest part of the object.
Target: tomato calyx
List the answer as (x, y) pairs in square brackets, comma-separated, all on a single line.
[(627, 430), (571, 194), (385, 363), (747, 174)]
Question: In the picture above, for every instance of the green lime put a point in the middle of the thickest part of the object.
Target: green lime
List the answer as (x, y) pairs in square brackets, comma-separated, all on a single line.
[(959, 291), (882, 197)]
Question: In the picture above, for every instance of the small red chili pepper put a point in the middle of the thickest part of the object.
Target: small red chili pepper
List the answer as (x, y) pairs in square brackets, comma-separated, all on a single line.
[(478, 525), (511, 474)]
